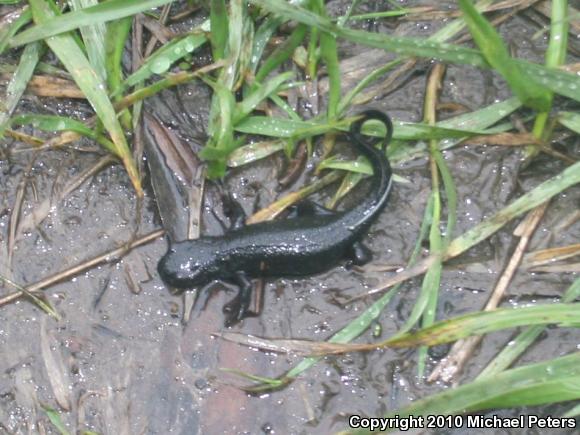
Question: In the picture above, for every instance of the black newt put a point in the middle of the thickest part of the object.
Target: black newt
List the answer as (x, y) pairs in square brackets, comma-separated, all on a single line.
[(312, 241)]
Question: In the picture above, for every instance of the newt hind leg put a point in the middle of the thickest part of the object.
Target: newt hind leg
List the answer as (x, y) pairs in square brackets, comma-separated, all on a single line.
[(358, 255)]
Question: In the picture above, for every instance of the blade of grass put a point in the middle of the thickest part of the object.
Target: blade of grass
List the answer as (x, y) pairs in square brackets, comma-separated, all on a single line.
[(360, 166), (103, 12), (42, 304), (259, 94), (329, 55), (282, 53), (426, 304), (53, 123), (72, 57), (281, 127), (570, 120), (161, 60), (262, 37), (519, 345), (574, 412), (28, 61), (546, 190), (12, 24), (475, 121), (564, 315), (560, 82), (446, 331), (54, 417), (407, 46), (255, 151), (218, 17), (93, 37), (373, 76), (348, 183), (456, 26), (551, 381), (221, 142), (116, 36), (497, 55), (555, 57), (348, 14), (441, 35)]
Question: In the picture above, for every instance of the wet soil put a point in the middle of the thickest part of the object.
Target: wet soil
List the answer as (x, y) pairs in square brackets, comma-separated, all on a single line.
[(123, 361)]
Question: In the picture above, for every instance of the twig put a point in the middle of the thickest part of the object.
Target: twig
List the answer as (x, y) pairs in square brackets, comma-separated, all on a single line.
[(108, 257), (462, 349)]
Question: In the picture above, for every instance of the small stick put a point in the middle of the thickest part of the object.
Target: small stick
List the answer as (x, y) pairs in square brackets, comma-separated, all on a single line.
[(462, 349), (108, 257)]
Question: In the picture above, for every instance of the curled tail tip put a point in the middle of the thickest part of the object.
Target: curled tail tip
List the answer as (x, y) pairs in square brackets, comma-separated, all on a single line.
[(375, 114)]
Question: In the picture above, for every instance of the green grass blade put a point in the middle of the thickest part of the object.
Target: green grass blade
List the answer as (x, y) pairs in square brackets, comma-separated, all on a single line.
[(341, 22), (450, 194), (162, 59), (555, 57), (570, 120), (546, 190), (117, 33), (456, 26), (329, 55), (54, 417), (442, 35), (348, 183), (551, 381), (400, 45), (259, 94), (254, 151), (262, 37), (280, 127), (218, 17), (518, 345), (574, 412), (101, 13), (483, 118), (359, 166), (53, 123), (373, 76), (558, 45), (236, 37), (483, 322), (282, 53), (473, 122), (560, 82), (426, 304), (73, 58), (41, 303), (13, 22), (17, 85), (221, 142), (93, 37), (497, 55), (116, 37)]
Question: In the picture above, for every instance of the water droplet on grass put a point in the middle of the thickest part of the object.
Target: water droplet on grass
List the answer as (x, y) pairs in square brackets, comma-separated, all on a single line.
[(160, 65)]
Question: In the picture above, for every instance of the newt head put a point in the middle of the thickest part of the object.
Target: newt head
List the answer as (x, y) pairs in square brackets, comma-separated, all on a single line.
[(189, 264)]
